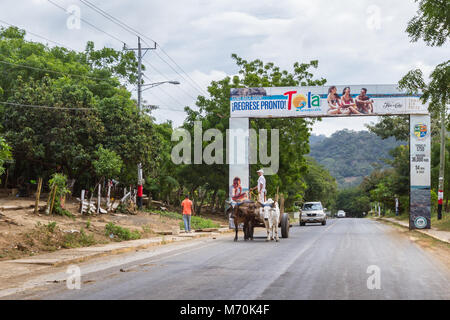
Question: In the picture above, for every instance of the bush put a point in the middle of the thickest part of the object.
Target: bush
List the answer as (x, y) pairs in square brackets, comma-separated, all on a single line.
[(75, 240), (121, 233), (51, 226), (62, 212)]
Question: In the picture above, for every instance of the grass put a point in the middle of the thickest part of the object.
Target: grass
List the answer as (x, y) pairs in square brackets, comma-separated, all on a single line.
[(62, 212), (121, 233), (76, 240), (391, 214), (200, 223), (443, 224), (196, 221)]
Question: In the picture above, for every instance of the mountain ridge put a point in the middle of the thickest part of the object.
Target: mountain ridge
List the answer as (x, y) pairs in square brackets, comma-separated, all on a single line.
[(351, 155)]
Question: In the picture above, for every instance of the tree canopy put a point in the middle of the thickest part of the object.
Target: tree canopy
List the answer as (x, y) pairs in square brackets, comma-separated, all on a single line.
[(59, 106)]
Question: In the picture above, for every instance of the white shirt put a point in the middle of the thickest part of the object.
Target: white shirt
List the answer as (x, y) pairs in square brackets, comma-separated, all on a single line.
[(261, 181)]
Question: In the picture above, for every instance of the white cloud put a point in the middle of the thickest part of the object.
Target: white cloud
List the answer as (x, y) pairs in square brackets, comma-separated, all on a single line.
[(248, 25), (200, 36), (330, 125)]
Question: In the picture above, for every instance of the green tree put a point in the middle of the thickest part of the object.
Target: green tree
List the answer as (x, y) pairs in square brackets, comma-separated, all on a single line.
[(432, 22), (321, 186), (5, 154), (214, 112), (86, 105), (108, 164), (351, 155), (353, 201), (58, 181)]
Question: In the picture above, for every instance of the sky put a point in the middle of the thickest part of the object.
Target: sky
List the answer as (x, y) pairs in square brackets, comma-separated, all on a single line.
[(356, 42)]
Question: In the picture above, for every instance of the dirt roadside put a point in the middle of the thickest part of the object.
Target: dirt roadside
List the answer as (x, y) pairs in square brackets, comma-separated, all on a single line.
[(25, 234)]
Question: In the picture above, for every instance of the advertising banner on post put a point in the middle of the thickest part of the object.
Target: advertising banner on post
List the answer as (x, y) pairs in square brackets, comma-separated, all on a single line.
[(324, 101), (420, 175)]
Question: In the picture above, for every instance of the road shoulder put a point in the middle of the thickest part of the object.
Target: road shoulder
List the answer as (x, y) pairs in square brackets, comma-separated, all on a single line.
[(443, 236), (25, 273)]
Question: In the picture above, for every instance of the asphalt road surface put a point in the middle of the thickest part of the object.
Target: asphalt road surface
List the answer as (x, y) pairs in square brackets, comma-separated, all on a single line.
[(316, 262)]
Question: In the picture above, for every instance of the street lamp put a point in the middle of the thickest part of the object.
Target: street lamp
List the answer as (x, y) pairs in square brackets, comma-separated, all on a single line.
[(155, 84)]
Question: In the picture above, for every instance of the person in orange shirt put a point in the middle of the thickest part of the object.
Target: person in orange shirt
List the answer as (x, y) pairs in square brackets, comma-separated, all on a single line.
[(186, 207)]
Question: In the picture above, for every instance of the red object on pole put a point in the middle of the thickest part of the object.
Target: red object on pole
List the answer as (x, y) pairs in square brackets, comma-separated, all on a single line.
[(140, 191), (440, 196)]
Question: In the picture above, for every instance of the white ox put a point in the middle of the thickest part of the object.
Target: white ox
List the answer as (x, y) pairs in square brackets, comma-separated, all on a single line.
[(271, 219)]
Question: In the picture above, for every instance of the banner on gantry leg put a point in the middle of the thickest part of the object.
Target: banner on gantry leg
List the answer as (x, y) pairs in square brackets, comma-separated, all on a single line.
[(420, 151)]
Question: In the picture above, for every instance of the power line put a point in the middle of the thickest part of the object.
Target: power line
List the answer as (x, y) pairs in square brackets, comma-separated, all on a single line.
[(136, 33), (116, 21), (90, 24), (113, 19), (160, 107), (39, 36), (164, 107), (95, 78), (42, 107), (167, 108), (177, 72), (173, 98), (48, 70), (76, 109), (180, 68), (165, 78)]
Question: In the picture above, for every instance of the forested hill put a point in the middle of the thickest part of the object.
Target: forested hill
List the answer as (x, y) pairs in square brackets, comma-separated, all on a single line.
[(349, 155)]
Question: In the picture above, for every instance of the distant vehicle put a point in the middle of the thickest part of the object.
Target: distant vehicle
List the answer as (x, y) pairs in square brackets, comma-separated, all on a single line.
[(313, 212), (341, 214)]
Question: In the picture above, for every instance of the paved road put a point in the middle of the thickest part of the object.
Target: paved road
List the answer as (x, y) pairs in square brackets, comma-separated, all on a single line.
[(316, 262)]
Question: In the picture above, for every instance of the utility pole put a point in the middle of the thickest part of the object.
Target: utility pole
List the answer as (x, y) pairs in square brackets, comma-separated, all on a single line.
[(139, 74), (140, 56), (442, 164)]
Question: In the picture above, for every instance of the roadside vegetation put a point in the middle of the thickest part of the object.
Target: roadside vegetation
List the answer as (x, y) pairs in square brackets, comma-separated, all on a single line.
[(196, 221), (117, 232), (48, 238)]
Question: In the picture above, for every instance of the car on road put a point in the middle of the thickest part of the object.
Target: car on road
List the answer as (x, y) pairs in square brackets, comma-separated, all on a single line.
[(341, 214), (313, 212)]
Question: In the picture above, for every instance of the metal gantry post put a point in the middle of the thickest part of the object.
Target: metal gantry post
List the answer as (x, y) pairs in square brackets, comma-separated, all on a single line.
[(442, 165)]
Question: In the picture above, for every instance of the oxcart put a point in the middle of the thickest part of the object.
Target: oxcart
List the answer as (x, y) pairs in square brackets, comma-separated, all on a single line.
[(283, 224)]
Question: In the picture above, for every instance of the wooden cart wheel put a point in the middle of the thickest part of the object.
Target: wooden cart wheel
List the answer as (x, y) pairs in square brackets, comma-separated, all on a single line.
[(285, 225)]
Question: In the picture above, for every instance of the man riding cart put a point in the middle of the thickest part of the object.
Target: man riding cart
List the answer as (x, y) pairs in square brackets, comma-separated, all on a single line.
[(256, 213)]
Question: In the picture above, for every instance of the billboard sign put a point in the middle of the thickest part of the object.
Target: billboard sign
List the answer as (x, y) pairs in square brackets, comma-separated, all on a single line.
[(420, 175), (324, 101)]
